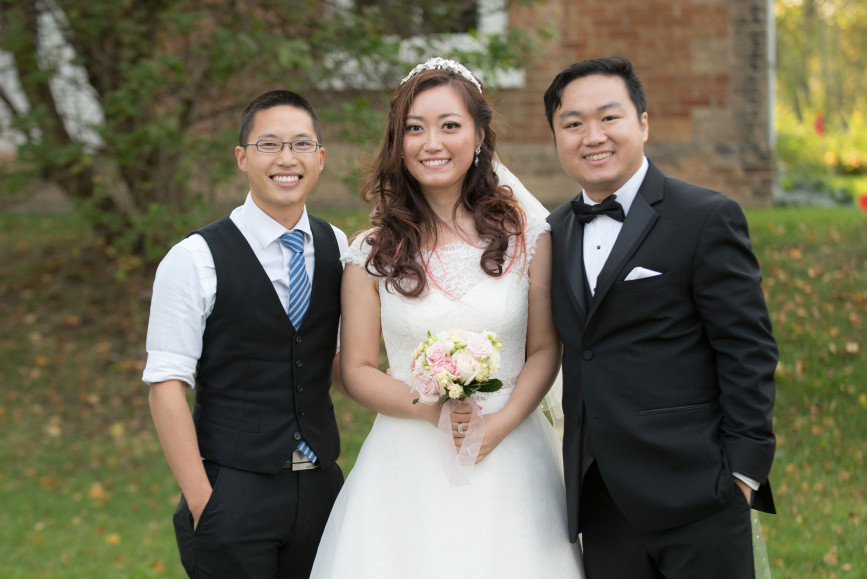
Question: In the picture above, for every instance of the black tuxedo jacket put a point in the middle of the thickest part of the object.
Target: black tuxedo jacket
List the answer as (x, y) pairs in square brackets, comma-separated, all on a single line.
[(674, 373)]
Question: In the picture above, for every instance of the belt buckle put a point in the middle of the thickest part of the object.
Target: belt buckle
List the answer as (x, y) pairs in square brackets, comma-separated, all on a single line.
[(301, 462)]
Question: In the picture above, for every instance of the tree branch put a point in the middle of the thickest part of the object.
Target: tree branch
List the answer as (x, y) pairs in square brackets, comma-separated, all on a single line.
[(34, 83), (8, 102)]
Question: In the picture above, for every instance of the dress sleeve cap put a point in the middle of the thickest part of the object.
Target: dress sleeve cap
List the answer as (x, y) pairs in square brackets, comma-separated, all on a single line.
[(358, 250), (533, 229)]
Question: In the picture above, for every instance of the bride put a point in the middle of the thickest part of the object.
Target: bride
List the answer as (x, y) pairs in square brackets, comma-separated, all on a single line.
[(449, 249)]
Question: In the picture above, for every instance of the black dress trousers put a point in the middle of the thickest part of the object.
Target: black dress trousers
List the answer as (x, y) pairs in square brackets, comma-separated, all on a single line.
[(715, 547), (257, 525)]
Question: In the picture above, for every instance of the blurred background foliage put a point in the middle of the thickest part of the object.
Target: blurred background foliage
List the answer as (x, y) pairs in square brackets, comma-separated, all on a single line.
[(822, 98), (124, 104)]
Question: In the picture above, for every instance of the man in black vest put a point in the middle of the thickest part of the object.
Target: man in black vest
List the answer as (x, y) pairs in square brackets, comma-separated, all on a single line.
[(247, 311)]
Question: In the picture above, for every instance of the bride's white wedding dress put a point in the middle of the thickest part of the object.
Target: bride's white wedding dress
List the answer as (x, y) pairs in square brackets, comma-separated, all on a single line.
[(397, 515)]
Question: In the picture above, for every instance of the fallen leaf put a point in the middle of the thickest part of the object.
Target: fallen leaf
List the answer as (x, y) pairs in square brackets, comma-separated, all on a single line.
[(97, 491), (52, 428), (117, 430), (49, 483)]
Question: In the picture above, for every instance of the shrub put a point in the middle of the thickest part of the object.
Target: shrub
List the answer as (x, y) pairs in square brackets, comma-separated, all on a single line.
[(820, 163)]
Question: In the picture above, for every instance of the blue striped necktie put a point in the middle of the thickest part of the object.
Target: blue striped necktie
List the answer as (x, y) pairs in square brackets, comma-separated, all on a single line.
[(299, 283), (299, 296), (307, 451)]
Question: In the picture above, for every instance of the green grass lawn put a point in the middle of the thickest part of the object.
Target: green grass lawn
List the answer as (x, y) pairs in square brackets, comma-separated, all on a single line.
[(815, 267), (85, 491)]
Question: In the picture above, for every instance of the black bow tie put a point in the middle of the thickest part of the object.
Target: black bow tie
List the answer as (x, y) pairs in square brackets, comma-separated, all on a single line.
[(587, 213)]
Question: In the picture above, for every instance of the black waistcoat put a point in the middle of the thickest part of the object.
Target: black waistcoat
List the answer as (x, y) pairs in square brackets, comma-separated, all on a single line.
[(262, 385)]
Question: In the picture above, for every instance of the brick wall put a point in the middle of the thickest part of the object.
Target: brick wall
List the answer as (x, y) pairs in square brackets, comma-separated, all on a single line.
[(704, 68)]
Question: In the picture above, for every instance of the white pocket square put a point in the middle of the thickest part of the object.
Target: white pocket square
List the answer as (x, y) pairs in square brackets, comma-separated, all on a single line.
[(640, 273)]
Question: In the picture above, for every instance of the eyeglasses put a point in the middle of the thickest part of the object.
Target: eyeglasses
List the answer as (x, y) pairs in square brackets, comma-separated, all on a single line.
[(274, 147)]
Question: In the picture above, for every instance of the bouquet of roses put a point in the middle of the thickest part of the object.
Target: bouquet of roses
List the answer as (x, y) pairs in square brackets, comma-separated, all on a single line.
[(453, 365)]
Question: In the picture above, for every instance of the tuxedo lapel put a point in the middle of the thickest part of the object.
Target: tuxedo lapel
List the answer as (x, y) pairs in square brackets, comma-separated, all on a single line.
[(635, 228), (574, 263)]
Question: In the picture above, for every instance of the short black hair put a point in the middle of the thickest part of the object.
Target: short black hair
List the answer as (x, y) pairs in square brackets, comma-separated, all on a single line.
[(276, 98), (611, 66)]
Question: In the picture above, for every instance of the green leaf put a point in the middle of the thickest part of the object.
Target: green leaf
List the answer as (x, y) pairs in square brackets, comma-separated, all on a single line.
[(491, 385)]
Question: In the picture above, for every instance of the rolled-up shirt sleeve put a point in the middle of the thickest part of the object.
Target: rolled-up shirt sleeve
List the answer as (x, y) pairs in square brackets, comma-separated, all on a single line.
[(183, 297)]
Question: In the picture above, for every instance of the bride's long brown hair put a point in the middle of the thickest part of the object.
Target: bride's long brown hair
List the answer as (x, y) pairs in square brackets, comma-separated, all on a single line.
[(403, 221)]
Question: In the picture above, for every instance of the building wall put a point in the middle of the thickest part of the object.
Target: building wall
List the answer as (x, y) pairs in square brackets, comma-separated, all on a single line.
[(704, 66)]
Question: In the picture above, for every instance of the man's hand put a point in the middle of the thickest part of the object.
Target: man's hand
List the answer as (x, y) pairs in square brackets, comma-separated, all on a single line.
[(748, 492), (197, 508), (177, 433)]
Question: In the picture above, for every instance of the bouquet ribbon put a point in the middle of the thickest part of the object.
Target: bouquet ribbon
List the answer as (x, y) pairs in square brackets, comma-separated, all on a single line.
[(459, 465)]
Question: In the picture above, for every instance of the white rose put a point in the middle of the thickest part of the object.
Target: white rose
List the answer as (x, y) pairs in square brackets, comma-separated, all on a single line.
[(468, 366)]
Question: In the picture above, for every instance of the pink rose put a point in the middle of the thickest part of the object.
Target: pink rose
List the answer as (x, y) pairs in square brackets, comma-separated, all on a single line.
[(447, 365), (435, 354), (417, 367), (478, 345), (429, 389)]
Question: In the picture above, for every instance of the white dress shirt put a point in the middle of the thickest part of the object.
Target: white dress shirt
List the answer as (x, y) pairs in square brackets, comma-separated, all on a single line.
[(185, 289), (601, 233)]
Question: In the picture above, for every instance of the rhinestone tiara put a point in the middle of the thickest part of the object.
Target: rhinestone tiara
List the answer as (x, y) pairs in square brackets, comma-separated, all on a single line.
[(444, 64)]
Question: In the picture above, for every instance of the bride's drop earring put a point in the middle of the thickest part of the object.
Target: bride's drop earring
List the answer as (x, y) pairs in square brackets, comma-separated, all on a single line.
[(476, 160)]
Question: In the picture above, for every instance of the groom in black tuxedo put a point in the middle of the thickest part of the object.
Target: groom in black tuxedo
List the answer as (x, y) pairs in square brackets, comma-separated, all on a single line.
[(668, 365)]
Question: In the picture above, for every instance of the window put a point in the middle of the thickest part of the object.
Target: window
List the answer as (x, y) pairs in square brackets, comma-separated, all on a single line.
[(428, 28), (418, 18)]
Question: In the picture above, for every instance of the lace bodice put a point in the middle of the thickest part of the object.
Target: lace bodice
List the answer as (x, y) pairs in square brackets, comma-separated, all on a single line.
[(459, 296)]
